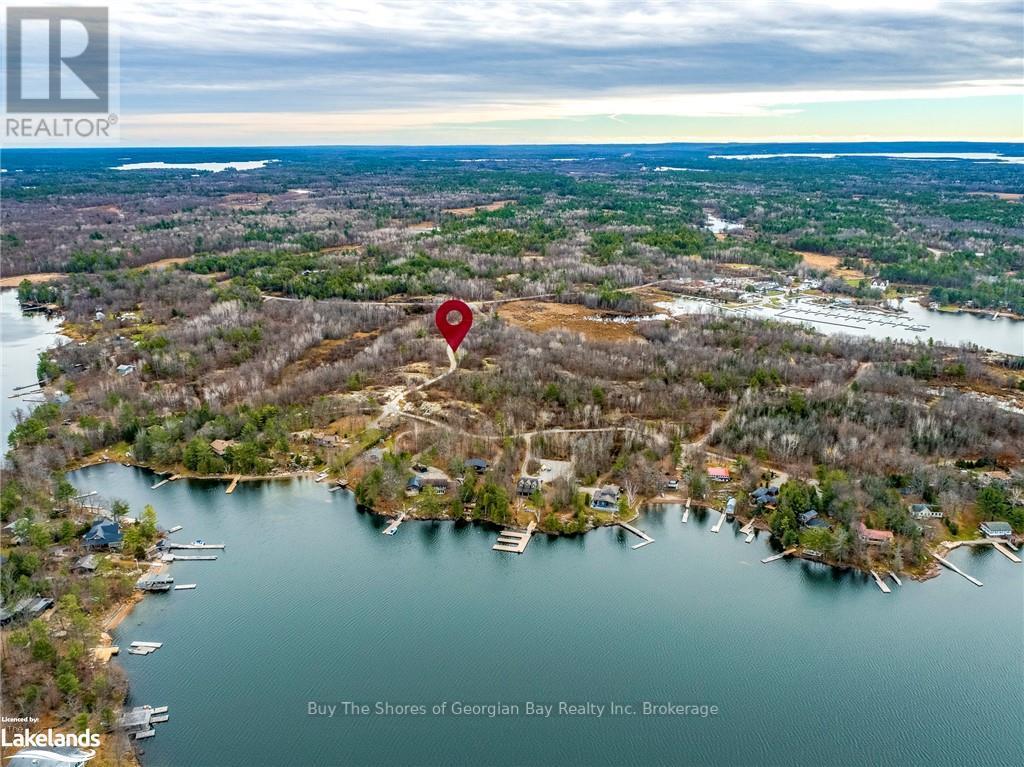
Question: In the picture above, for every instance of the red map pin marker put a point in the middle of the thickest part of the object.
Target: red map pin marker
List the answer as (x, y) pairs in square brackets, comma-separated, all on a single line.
[(454, 332)]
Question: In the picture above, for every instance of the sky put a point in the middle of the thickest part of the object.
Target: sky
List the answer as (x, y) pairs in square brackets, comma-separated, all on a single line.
[(277, 73)]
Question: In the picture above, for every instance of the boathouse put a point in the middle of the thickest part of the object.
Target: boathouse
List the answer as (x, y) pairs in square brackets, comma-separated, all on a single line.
[(997, 529)]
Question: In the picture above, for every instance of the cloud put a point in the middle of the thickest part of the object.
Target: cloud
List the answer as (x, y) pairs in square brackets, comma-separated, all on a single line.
[(431, 62)]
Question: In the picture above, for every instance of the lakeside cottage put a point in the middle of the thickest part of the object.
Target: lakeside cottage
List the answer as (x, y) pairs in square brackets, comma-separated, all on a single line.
[(527, 486), (874, 537), (479, 465), (997, 529), (221, 446), (718, 474), (924, 511), (606, 497), (104, 534)]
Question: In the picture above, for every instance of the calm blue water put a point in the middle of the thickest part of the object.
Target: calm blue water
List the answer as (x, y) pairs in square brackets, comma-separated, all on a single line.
[(311, 602)]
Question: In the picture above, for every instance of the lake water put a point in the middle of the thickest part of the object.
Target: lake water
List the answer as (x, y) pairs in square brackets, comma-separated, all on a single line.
[(212, 167), (22, 337), (310, 602), (952, 329)]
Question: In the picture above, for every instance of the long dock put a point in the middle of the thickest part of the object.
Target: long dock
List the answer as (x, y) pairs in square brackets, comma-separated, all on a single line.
[(393, 527), (895, 579), (777, 557), (195, 546), (998, 546), (956, 569), (185, 586), (174, 529), (1003, 547), (646, 539), (188, 558), (163, 482), (514, 541), (881, 584), (233, 485), (718, 524), (686, 511)]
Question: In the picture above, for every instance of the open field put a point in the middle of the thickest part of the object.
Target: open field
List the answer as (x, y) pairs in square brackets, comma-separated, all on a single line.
[(541, 316)]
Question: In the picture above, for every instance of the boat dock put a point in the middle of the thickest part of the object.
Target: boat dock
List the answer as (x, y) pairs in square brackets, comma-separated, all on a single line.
[(1003, 547), (718, 524), (895, 579), (646, 539), (138, 722), (174, 529), (956, 569), (393, 527), (748, 530), (195, 545), (233, 485), (777, 557), (998, 546), (188, 558), (881, 584), (514, 541), (185, 586), (163, 482), (686, 511), (144, 648)]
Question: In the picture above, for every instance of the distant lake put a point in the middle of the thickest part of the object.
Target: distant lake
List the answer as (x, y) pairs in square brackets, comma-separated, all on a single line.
[(22, 337), (212, 167), (975, 156), (950, 328), (310, 602)]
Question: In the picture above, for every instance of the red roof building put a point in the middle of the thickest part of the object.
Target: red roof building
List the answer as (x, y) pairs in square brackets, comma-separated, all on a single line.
[(874, 536)]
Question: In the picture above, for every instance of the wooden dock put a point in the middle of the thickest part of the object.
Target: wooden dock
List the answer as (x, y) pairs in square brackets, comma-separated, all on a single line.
[(163, 482), (998, 546), (233, 485), (957, 570), (895, 579), (1003, 547), (393, 527), (514, 541), (185, 586), (881, 584), (686, 511), (174, 529), (777, 557), (718, 524), (192, 546), (188, 558), (645, 538), (748, 530)]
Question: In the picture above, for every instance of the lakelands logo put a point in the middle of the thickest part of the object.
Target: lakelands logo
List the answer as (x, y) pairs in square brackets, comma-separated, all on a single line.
[(66, 748), (59, 74)]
